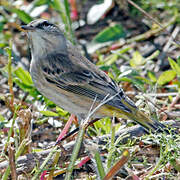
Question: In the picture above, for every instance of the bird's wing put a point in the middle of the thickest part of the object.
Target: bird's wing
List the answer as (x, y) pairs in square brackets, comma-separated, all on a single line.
[(63, 73)]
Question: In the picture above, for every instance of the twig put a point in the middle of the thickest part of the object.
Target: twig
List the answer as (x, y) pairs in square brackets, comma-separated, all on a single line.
[(173, 114), (152, 94), (152, 19), (114, 170), (167, 45), (150, 33), (25, 96), (147, 98), (12, 162), (169, 114), (174, 34), (174, 101), (147, 34)]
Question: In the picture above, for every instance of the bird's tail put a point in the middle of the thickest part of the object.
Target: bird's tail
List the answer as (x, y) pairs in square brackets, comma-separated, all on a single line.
[(146, 122), (141, 118), (134, 114)]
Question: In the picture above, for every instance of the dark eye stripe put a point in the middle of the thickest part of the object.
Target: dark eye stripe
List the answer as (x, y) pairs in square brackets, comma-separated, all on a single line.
[(44, 24)]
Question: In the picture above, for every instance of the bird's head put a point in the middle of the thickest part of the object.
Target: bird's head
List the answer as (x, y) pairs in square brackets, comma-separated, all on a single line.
[(44, 37)]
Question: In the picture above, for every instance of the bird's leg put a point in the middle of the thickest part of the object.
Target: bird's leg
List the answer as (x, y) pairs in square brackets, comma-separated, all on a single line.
[(63, 134), (68, 135), (93, 121), (65, 129)]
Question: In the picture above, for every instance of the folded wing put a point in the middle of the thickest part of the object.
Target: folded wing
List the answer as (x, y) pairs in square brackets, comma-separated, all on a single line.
[(61, 72)]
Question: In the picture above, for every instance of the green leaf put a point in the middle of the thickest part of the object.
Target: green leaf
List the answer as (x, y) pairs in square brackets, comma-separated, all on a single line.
[(115, 70), (49, 113), (110, 34), (143, 79), (123, 50), (24, 76), (137, 59), (166, 77), (105, 68), (176, 164), (138, 83), (27, 88), (124, 79), (26, 18), (152, 76), (174, 66), (61, 112), (21, 84), (1, 26), (1, 118), (39, 2), (66, 5), (111, 59), (178, 61), (103, 126)]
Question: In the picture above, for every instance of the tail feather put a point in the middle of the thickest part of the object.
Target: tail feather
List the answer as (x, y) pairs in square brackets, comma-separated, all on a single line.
[(146, 122), (143, 119), (133, 113)]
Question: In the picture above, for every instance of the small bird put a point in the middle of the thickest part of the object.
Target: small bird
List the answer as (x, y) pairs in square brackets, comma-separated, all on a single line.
[(62, 74)]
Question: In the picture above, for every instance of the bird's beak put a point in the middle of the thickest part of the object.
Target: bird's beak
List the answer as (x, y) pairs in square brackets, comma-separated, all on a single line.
[(28, 28)]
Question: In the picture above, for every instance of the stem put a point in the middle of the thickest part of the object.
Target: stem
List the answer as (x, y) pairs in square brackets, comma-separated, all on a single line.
[(44, 163), (100, 167), (75, 153), (155, 168), (111, 149), (18, 153), (10, 81), (11, 128)]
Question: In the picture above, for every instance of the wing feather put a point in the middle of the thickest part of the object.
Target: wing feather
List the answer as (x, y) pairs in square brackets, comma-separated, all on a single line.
[(61, 72)]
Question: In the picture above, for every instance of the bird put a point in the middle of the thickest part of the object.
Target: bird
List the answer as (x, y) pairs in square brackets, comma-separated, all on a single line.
[(62, 74)]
